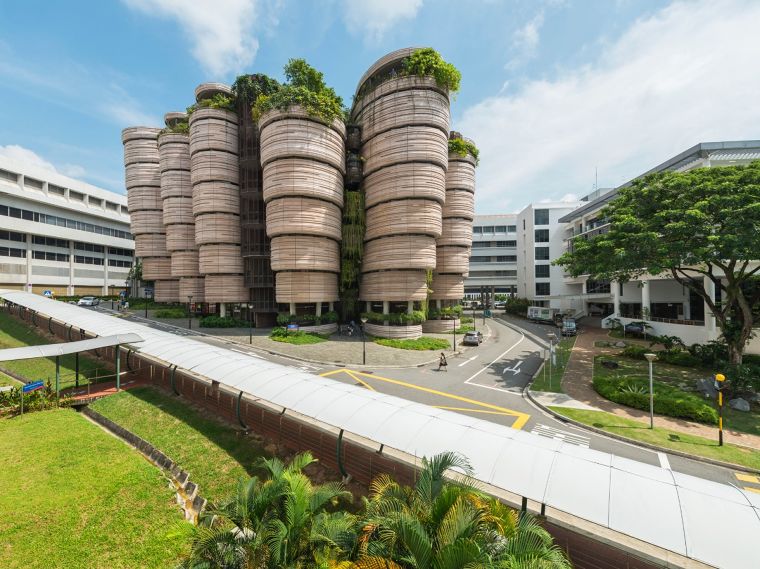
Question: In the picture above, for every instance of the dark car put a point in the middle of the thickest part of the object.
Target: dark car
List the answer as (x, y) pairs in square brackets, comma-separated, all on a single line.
[(472, 338), (634, 328)]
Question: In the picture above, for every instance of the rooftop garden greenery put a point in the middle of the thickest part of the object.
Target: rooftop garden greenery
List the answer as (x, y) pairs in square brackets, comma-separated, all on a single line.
[(248, 88), (428, 62), (179, 127), (463, 147), (305, 87), (218, 101)]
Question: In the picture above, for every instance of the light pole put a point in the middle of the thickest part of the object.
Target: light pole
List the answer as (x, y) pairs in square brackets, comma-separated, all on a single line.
[(364, 342), (189, 313), (454, 323), (650, 358), (474, 323), (719, 383), (551, 336), (250, 323)]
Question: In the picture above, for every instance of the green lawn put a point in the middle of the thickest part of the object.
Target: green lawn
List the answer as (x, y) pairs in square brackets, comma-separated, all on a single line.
[(550, 378), (423, 343), (15, 334), (299, 338), (214, 453), (8, 380), (664, 438), (73, 496)]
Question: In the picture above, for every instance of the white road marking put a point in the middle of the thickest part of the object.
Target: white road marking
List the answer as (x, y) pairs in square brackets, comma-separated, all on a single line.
[(664, 462), (467, 361), (566, 436), (504, 353), (515, 369), (244, 352)]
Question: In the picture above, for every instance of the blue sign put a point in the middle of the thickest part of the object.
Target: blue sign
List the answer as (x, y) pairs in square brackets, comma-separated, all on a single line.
[(487, 313), (293, 327), (34, 386), (47, 293)]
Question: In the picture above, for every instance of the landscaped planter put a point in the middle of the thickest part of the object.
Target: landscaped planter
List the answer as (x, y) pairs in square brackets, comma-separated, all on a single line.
[(410, 332), (440, 326), (325, 329)]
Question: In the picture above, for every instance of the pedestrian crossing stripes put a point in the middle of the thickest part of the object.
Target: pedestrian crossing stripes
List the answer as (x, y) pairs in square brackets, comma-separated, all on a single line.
[(567, 436)]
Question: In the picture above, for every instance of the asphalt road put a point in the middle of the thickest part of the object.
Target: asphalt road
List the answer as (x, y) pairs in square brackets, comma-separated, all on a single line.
[(486, 382)]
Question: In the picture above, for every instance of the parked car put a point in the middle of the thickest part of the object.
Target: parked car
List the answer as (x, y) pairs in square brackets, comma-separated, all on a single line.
[(88, 301), (473, 338), (634, 328), (568, 327), (500, 305)]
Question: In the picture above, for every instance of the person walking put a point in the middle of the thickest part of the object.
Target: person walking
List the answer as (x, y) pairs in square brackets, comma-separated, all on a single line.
[(442, 363)]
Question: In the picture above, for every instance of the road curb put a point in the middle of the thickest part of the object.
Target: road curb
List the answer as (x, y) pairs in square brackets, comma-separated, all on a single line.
[(634, 442), (538, 340)]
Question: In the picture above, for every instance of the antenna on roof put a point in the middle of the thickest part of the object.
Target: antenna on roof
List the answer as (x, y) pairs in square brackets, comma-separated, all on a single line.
[(596, 178)]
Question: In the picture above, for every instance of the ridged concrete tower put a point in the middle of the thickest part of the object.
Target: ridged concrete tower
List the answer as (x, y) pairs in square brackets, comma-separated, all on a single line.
[(214, 173), (455, 242), (143, 183), (405, 124), (304, 163), (177, 197)]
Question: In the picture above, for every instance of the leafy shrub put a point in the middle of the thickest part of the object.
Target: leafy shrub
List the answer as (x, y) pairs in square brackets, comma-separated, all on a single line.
[(283, 319), (428, 62), (219, 322), (10, 400), (395, 319), (445, 313), (466, 319), (678, 358), (667, 342), (668, 400), (712, 354), (743, 378), (635, 352), (517, 306), (423, 343), (298, 337), (464, 147), (171, 313)]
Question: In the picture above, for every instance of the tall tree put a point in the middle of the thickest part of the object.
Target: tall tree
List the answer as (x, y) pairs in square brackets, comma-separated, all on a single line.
[(700, 227)]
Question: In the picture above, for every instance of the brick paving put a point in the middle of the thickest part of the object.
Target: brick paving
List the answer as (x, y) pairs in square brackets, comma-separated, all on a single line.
[(577, 383)]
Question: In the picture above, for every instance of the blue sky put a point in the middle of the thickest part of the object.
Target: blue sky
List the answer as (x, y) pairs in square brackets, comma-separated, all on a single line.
[(552, 90)]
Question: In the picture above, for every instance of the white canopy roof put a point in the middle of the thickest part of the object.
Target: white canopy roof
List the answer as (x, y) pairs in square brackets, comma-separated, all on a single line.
[(48, 350), (714, 523)]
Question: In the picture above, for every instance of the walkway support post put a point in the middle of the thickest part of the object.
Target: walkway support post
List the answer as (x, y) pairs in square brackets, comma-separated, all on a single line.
[(76, 369), (118, 368), (57, 376)]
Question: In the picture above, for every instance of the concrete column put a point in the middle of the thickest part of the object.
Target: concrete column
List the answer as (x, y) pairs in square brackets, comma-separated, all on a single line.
[(292, 308), (615, 288), (409, 306), (71, 268), (222, 310), (645, 300), (368, 306), (709, 318), (29, 262), (105, 270), (318, 311), (386, 307), (438, 303), (331, 307)]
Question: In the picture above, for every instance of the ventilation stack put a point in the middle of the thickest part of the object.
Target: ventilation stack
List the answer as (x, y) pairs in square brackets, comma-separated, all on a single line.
[(177, 197), (405, 124), (143, 183), (304, 162), (214, 174), (455, 242)]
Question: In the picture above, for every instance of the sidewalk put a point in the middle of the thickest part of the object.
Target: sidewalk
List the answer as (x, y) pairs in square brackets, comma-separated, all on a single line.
[(577, 384)]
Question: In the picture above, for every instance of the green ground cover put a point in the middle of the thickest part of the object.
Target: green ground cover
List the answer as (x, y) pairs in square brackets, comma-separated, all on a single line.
[(296, 337), (8, 380), (215, 454), (550, 378), (423, 343), (73, 496), (15, 334), (664, 438)]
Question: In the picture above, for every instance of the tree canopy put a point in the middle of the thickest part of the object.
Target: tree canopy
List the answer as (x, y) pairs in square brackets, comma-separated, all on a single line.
[(698, 227)]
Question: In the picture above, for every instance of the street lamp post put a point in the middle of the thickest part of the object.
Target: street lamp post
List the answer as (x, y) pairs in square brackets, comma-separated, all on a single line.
[(650, 358), (250, 323), (474, 323), (454, 323), (551, 336), (364, 342), (719, 383)]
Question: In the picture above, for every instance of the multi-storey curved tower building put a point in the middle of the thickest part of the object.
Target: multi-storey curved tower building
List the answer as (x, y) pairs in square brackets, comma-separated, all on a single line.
[(304, 163), (404, 121), (455, 242), (177, 197), (214, 174), (143, 183)]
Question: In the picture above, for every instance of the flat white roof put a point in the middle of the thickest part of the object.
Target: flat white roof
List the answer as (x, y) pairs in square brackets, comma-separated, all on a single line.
[(706, 521), (51, 350)]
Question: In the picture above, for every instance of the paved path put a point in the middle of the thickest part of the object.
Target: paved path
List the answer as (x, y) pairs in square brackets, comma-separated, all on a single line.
[(577, 383)]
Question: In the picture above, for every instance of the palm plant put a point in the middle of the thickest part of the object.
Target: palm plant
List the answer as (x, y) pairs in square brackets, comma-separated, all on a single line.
[(443, 524), (281, 520)]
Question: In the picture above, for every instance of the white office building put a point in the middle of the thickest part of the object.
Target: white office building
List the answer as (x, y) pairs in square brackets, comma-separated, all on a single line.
[(60, 234), (493, 260)]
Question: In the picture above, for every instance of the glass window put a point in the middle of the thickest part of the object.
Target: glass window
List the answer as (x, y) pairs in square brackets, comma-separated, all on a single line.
[(480, 244), (543, 289), (511, 229), (501, 229), (541, 217), (506, 243), (542, 235), (477, 230), (488, 229), (506, 259), (542, 271), (542, 254)]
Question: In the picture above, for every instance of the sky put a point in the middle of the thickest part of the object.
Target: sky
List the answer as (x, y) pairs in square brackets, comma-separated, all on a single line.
[(560, 96)]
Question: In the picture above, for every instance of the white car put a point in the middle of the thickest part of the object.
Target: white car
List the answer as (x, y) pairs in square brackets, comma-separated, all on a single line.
[(88, 301)]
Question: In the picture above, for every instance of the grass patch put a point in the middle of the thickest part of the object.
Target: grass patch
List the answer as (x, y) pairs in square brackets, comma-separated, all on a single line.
[(74, 496), (8, 380), (214, 453), (550, 378), (16, 334), (170, 313), (464, 329), (297, 337), (664, 438), (423, 343)]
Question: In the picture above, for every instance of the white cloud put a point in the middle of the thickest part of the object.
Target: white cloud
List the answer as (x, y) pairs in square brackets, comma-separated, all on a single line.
[(21, 154), (221, 31), (525, 41), (372, 18), (681, 76)]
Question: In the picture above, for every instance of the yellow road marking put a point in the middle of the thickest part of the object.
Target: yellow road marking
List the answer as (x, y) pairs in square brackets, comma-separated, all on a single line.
[(755, 490), (364, 383), (747, 478), (470, 410), (521, 418)]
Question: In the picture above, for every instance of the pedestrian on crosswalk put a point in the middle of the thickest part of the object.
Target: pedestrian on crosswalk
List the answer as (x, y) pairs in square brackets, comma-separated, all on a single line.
[(442, 363)]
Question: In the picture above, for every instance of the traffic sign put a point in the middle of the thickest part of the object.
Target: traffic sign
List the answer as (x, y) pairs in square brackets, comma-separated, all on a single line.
[(292, 328), (34, 386)]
